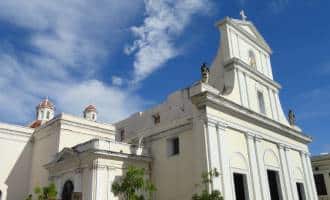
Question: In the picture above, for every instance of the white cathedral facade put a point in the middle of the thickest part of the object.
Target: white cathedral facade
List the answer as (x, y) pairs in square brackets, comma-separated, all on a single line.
[(231, 120)]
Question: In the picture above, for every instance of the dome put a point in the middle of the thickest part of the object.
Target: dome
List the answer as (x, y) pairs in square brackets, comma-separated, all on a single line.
[(90, 108), (46, 103)]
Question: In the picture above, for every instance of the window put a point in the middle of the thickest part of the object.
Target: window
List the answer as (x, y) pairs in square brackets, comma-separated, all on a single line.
[(241, 189), (122, 135), (274, 185), (156, 118), (252, 59), (261, 102), (173, 146), (320, 184), (301, 191), (0, 195), (48, 114)]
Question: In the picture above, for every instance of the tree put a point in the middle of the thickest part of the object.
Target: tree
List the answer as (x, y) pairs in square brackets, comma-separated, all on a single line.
[(133, 185), (207, 178), (46, 193)]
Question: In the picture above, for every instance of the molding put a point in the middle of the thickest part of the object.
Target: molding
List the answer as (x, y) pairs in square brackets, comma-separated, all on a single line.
[(258, 136), (213, 100), (243, 66)]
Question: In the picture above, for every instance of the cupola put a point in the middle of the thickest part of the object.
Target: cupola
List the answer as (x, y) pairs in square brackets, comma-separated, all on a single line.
[(45, 110), (90, 113)]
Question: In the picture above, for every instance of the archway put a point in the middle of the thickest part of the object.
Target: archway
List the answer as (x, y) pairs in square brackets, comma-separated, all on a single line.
[(67, 191)]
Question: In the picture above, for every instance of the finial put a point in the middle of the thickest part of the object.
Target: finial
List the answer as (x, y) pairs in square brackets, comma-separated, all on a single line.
[(242, 13)]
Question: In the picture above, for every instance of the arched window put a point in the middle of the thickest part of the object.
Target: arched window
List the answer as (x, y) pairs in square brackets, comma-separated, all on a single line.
[(252, 59), (67, 191), (48, 114)]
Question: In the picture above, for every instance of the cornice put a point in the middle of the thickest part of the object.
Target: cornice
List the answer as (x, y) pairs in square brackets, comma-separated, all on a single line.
[(229, 64), (208, 99)]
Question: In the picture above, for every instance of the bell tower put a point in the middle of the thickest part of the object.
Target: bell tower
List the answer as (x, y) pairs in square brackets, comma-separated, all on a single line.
[(242, 69)]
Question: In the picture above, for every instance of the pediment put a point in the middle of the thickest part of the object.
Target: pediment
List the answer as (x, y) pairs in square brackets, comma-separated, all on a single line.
[(65, 154), (248, 28)]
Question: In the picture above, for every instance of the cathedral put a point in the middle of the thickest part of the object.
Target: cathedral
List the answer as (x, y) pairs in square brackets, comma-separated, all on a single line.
[(230, 120)]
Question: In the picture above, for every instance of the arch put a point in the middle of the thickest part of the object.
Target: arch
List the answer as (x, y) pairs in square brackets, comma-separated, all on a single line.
[(67, 190), (238, 161), (271, 159)]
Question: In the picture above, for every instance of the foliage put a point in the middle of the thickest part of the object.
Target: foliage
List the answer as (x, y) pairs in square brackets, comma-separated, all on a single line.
[(207, 178), (45, 193), (133, 185)]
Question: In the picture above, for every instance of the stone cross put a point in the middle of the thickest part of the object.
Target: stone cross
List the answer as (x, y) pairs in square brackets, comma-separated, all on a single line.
[(242, 13)]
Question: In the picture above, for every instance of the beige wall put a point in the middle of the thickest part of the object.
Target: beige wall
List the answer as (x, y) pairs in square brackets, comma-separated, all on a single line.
[(174, 176)]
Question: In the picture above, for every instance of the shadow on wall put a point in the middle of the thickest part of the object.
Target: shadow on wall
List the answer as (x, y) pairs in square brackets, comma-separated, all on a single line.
[(18, 179)]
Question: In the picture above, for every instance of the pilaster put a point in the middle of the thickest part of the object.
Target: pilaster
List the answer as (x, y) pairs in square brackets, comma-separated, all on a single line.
[(262, 171), (308, 183), (310, 175), (254, 168), (286, 174)]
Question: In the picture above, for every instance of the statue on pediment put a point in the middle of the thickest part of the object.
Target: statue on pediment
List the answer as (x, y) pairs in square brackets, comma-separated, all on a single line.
[(205, 73), (292, 118)]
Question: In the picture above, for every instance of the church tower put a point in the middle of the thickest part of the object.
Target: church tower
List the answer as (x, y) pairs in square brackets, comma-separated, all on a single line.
[(90, 113), (45, 110), (242, 69)]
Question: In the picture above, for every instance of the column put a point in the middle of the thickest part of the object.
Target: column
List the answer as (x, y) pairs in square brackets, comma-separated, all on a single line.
[(78, 180), (224, 163), (311, 176), (286, 174), (93, 182), (307, 184), (213, 152), (262, 171), (254, 167)]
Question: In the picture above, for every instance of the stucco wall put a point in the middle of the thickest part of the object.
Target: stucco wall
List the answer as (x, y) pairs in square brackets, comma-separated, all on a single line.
[(15, 161), (174, 175)]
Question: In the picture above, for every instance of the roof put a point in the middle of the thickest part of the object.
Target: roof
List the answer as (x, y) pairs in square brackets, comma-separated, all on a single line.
[(35, 124), (46, 103), (90, 108)]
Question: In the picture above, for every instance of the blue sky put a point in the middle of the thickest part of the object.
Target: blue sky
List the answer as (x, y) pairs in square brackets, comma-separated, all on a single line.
[(126, 56)]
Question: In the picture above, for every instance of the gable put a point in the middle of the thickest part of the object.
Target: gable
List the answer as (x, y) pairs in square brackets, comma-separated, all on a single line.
[(248, 29)]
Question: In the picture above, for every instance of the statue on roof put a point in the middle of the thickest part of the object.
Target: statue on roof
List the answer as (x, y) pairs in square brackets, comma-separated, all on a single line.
[(242, 13), (205, 73), (292, 118)]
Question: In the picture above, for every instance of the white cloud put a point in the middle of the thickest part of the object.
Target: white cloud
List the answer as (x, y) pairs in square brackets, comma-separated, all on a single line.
[(166, 19), (67, 43), (117, 81)]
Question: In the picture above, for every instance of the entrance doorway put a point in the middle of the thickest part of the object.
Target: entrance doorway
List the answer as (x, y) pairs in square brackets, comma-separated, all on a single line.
[(274, 185), (301, 191), (67, 191), (241, 189)]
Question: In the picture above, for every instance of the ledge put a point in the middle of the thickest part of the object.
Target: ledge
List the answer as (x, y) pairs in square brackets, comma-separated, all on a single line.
[(206, 98), (228, 64)]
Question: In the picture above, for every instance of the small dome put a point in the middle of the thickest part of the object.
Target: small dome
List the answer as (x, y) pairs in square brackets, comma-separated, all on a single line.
[(90, 108), (46, 103)]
